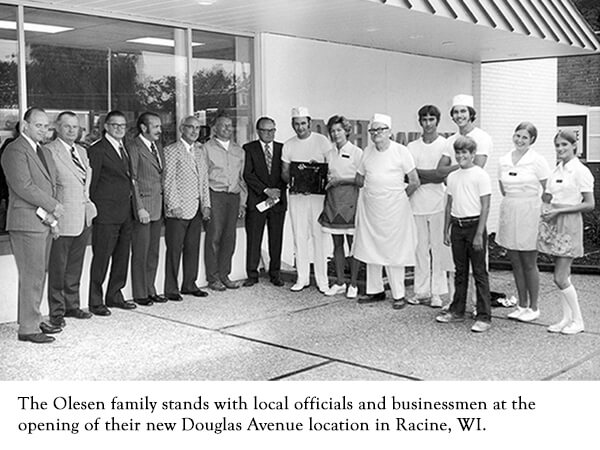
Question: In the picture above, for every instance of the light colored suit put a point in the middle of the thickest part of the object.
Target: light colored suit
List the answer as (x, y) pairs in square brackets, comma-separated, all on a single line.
[(68, 251), (30, 186)]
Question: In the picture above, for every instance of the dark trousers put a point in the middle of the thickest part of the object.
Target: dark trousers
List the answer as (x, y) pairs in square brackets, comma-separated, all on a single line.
[(145, 243), (463, 253), (64, 273), (182, 236), (220, 235), (110, 244), (255, 227)]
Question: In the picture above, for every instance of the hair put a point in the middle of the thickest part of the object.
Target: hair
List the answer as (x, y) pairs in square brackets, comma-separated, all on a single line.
[(65, 113), (114, 113), (185, 119), (30, 112), (264, 119), (341, 120), (465, 143), (472, 113), (145, 119), (530, 128), (567, 135), (430, 110), (222, 116)]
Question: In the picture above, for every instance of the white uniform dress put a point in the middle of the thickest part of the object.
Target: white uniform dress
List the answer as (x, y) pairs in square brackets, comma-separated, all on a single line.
[(304, 211), (385, 234), (520, 207), (563, 235), (433, 258)]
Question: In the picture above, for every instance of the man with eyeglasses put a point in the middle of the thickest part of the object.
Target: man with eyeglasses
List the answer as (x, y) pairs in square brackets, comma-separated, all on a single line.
[(306, 146), (32, 216), (262, 173), (111, 191), (187, 204)]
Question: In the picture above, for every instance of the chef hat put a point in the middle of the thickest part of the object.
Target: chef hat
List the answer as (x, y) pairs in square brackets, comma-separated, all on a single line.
[(300, 111), (382, 118), (462, 100)]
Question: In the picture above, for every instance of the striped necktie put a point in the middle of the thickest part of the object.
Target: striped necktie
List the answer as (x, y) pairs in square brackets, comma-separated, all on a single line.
[(268, 157), (155, 153), (77, 162)]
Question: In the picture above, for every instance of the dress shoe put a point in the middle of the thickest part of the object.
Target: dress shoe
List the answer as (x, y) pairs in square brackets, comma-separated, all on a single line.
[(196, 293), (174, 297), (143, 301), (123, 304), (250, 282), (157, 298), (49, 329), (216, 286), (57, 322), (371, 298), (230, 284), (277, 282), (297, 287), (78, 314), (399, 303), (36, 338), (100, 310)]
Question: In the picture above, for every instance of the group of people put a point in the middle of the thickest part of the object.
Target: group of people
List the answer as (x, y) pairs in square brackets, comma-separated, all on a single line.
[(391, 206)]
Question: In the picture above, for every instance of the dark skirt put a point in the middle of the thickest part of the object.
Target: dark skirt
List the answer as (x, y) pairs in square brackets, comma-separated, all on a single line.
[(339, 210)]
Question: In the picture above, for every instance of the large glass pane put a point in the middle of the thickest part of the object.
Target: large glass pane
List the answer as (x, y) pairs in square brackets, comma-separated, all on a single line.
[(222, 80), (93, 64), (9, 93)]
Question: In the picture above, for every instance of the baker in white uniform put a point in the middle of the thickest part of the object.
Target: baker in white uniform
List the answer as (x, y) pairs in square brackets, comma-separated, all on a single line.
[(304, 209), (386, 234)]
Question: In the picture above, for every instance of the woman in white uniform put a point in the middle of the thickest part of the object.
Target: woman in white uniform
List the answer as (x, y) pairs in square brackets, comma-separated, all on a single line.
[(569, 192), (339, 209), (385, 234), (522, 174)]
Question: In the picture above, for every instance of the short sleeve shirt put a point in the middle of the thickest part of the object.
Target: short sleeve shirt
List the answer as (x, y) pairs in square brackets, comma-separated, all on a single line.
[(523, 178), (344, 162), (481, 138), (384, 171), (428, 198), (314, 147), (568, 182), (467, 186)]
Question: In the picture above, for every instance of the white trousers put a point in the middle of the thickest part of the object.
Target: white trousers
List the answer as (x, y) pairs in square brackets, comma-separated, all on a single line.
[(308, 235), (395, 275), (433, 258)]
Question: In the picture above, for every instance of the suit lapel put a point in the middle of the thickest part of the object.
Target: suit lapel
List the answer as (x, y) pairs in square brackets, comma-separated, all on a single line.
[(147, 153), (34, 156), (112, 154), (65, 155)]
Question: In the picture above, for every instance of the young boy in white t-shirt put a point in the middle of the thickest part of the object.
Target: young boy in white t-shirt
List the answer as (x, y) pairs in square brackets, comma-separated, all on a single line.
[(467, 208)]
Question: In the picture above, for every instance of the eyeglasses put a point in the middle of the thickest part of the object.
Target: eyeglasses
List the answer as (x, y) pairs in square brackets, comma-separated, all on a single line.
[(378, 130), (195, 127), (121, 126), (267, 130)]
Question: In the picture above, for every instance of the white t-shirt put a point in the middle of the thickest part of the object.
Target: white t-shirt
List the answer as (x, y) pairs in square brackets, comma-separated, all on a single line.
[(384, 171), (481, 138), (343, 163), (467, 186), (314, 147), (428, 198), (523, 178), (567, 182)]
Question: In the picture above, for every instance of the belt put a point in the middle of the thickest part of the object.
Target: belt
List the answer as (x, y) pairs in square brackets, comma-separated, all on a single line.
[(465, 222)]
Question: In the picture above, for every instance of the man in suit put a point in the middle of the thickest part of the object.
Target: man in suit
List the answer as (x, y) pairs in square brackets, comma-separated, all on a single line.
[(187, 203), (74, 176), (262, 173), (112, 193), (31, 219), (228, 193), (147, 163)]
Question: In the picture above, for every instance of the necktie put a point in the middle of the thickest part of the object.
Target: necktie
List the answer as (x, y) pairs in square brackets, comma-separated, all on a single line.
[(155, 153), (124, 157), (40, 154), (268, 157), (77, 162)]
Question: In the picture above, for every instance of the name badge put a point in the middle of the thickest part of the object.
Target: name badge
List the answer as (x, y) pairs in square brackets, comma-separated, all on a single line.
[(345, 156), (559, 181), (512, 174)]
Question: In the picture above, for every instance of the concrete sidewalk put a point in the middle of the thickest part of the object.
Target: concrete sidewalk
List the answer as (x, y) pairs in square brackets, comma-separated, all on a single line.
[(269, 333)]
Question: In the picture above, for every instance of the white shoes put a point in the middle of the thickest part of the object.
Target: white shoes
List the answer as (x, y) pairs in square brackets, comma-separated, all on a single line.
[(481, 327), (573, 328), (517, 313), (352, 292), (529, 315), (298, 286), (335, 290), (436, 301)]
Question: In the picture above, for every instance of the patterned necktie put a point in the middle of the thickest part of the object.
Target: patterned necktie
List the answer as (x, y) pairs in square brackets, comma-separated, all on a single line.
[(155, 153), (77, 162), (124, 156), (40, 154), (268, 157)]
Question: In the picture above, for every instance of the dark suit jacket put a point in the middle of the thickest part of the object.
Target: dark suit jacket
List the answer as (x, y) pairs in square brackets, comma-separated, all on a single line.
[(111, 188), (257, 177), (146, 174)]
